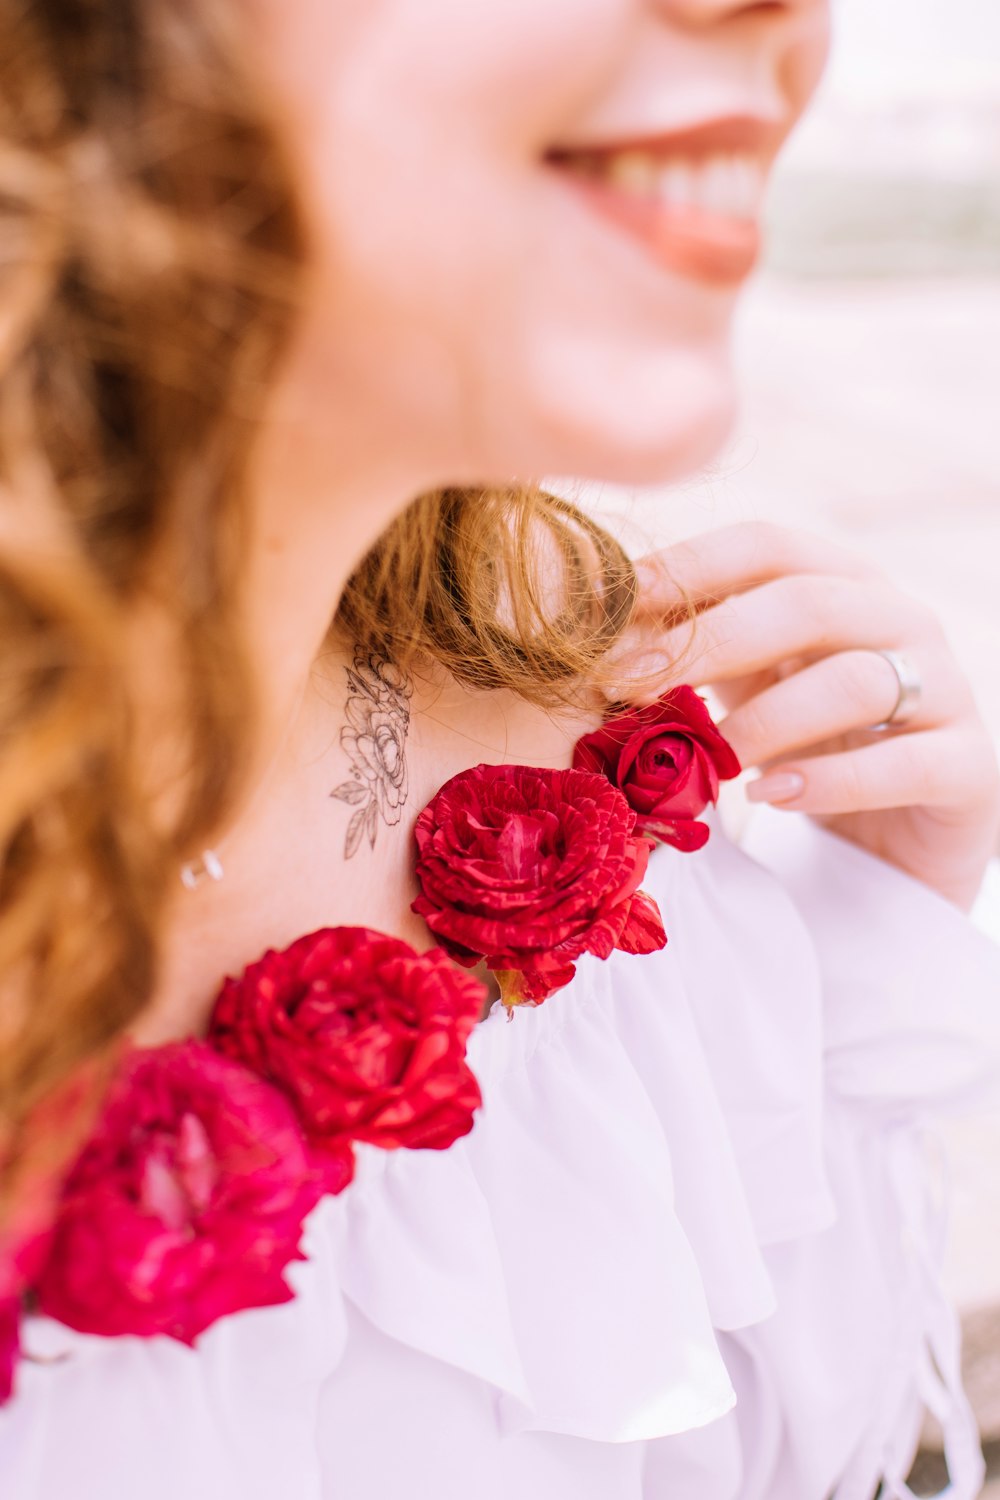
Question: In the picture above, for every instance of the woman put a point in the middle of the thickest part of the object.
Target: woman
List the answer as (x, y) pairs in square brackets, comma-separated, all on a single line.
[(274, 272)]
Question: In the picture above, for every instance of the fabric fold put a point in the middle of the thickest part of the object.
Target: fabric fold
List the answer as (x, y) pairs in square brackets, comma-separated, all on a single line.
[(562, 1275), (233, 1418), (911, 990), (696, 1176)]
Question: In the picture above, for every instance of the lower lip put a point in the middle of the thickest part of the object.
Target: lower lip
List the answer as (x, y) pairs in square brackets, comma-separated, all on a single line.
[(688, 241)]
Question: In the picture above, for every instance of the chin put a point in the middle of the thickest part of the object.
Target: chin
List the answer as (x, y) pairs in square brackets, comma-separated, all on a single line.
[(649, 434), (659, 458)]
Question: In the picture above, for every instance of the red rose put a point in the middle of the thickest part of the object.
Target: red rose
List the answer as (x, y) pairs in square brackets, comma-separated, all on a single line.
[(366, 1036), (668, 760), (186, 1204), (528, 869)]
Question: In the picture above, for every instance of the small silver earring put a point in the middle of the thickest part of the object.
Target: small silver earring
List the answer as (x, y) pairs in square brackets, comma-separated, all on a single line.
[(209, 865)]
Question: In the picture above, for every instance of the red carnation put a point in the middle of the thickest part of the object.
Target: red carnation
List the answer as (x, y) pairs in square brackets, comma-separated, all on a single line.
[(186, 1204), (528, 869), (365, 1035), (668, 760)]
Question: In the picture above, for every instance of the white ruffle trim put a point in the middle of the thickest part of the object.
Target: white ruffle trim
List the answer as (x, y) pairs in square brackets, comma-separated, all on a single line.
[(648, 1137)]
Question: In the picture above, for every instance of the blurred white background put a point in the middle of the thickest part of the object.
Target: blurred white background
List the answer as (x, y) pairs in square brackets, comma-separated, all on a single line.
[(870, 355)]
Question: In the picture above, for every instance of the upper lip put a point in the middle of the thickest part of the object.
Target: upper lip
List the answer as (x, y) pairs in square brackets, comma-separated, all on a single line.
[(738, 133)]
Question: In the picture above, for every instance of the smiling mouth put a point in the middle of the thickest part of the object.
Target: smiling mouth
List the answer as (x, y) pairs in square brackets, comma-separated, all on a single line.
[(692, 198)]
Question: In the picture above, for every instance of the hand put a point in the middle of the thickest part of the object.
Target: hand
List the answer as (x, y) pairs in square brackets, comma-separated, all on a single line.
[(786, 634)]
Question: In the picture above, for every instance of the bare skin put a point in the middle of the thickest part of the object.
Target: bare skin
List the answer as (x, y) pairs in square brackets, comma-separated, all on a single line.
[(800, 692), (285, 867), (788, 632)]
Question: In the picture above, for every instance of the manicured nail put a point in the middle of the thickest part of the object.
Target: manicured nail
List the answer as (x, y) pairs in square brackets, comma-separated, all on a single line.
[(783, 786)]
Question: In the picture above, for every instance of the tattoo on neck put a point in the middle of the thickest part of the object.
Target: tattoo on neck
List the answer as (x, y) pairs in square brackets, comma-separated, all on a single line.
[(374, 739)]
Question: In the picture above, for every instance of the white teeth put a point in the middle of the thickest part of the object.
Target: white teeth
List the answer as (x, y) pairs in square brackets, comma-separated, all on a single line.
[(751, 184), (713, 186), (676, 184), (731, 186)]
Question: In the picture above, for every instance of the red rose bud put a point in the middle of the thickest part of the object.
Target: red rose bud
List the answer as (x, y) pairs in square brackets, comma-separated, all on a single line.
[(186, 1204), (530, 868), (366, 1037), (667, 759)]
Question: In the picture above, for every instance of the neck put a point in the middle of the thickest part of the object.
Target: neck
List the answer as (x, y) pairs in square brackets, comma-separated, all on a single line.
[(326, 483), (326, 837)]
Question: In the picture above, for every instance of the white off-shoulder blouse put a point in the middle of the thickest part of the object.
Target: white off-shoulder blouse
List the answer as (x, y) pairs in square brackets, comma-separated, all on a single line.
[(690, 1250)]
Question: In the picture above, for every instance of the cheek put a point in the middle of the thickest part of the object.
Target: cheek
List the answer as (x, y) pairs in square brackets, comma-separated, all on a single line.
[(453, 288), (378, 82), (396, 130)]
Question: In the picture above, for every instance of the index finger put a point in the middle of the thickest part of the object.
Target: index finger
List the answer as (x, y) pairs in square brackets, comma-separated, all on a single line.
[(705, 569)]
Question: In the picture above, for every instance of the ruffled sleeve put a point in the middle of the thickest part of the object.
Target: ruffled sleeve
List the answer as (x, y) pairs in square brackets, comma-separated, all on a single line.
[(232, 1419), (688, 1236), (544, 1253), (911, 988), (911, 1032)]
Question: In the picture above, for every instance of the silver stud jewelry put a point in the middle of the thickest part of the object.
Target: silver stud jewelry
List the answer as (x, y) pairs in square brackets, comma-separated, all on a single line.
[(209, 866)]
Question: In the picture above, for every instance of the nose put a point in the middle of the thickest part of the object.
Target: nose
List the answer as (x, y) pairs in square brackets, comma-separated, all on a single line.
[(787, 38), (696, 13), (796, 33)]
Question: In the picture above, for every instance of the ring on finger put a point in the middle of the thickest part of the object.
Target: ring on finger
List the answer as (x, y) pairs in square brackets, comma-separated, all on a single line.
[(910, 692)]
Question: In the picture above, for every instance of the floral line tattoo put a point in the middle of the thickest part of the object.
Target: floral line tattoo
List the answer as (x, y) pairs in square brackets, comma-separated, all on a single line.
[(374, 738)]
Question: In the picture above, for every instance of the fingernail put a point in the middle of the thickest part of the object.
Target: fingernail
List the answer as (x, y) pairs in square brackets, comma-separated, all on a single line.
[(783, 786)]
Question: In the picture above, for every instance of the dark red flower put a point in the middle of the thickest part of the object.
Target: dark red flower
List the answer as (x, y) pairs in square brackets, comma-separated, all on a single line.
[(365, 1035), (668, 760), (186, 1204), (528, 869)]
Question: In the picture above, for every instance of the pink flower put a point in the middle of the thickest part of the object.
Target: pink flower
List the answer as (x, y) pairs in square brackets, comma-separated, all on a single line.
[(186, 1204), (10, 1344), (667, 759), (365, 1035), (530, 868), (29, 1215)]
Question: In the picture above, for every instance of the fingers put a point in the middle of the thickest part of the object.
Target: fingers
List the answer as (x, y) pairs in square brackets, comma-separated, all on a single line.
[(735, 558), (800, 615), (942, 768), (850, 690), (786, 629), (711, 573)]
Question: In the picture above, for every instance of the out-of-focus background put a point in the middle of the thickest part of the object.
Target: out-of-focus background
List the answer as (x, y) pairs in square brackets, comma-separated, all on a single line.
[(870, 354)]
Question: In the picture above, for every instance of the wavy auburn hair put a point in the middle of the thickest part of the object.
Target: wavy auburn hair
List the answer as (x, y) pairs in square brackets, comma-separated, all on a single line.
[(151, 258)]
